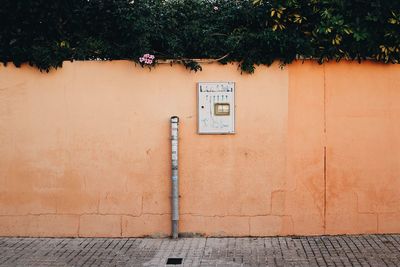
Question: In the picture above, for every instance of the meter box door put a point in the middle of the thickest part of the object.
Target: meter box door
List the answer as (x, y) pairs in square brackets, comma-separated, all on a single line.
[(216, 107)]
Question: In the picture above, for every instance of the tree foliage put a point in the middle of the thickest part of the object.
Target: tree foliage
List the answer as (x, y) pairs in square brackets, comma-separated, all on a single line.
[(251, 32)]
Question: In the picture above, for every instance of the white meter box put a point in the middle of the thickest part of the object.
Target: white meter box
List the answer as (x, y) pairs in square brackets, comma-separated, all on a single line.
[(216, 107)]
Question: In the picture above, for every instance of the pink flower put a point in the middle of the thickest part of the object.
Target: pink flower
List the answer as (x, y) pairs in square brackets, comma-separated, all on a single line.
[(147, 59), (216, 8)]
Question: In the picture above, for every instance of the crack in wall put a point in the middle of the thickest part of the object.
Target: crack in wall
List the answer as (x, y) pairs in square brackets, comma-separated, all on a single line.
[(143, 214), (324, 189)]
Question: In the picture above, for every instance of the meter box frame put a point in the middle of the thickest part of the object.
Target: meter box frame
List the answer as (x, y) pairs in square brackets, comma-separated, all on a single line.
[(215, 107)]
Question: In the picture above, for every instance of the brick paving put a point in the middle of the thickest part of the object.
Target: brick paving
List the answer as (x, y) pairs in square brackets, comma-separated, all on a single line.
[(356, 250)]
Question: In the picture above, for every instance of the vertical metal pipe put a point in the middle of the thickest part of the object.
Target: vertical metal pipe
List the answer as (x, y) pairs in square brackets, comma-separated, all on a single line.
[(174, 175)]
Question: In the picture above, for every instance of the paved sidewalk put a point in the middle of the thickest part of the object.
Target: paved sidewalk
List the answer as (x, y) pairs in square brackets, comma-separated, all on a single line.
[(360, 250)]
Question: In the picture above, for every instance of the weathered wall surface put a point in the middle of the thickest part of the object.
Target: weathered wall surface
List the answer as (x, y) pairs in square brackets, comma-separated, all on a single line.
[(363, 148), (84, 151)]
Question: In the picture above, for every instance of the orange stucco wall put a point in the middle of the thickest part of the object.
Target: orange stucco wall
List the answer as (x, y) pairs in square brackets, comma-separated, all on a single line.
[(84, 151)]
